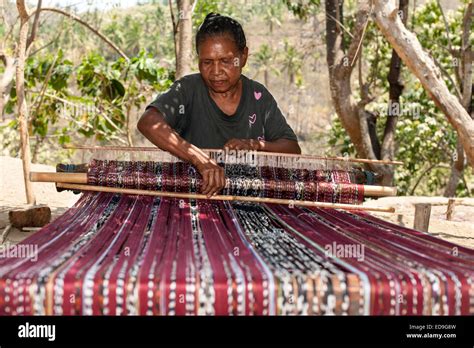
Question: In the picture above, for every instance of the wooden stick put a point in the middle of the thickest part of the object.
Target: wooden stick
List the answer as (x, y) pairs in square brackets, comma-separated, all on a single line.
[(5, 232), (422, 217), (280, 154), (73, 178), (450, 210), (81, 178), (222, 197)]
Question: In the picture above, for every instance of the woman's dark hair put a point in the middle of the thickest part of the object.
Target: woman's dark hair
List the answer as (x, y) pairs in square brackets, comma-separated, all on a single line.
[(214, 25)]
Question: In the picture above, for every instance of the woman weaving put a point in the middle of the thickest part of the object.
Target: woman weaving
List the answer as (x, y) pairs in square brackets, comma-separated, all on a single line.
[(218, 107)]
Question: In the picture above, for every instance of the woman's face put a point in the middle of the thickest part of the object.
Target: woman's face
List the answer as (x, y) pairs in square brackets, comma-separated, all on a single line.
[(221, 63)]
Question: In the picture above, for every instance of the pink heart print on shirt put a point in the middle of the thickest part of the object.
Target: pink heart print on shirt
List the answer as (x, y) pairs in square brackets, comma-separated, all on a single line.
[(252, 118), (257, 95)]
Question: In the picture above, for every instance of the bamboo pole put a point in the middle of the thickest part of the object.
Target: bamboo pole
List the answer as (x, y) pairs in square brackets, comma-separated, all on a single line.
[(81, 178), (223, 197), (260, 153)]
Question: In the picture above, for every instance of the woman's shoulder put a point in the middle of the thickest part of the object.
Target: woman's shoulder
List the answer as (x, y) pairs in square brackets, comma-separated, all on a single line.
[(190, 80), (187, 85)]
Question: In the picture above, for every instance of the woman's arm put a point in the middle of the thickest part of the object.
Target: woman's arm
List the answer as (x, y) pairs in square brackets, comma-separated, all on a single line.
[(280, 145), (154, 127)]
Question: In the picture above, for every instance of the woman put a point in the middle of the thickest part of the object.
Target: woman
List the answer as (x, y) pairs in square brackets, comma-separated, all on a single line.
[(218, 107)]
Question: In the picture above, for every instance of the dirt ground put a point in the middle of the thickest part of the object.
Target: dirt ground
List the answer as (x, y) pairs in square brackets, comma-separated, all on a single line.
[(12, 194), (460, 230)]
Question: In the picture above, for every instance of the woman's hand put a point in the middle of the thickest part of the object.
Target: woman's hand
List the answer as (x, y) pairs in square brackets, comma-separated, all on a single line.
[(213, 176), (243, 144), (155, 128)]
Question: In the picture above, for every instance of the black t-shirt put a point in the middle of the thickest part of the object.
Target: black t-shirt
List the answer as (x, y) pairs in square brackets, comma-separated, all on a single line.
[(189, 109)]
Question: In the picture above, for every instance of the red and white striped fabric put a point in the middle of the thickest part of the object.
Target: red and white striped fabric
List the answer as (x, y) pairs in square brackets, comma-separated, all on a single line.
[(116, 254)]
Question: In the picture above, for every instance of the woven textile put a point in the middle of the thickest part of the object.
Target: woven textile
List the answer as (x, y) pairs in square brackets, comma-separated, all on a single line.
[(116, 254), (335, 186)]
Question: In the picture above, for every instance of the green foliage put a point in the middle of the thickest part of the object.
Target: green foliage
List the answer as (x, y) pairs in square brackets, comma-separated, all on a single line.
[(302, 8), (91, 99), (265, 59), (78, 91), (228, 8), (339, 141), (98, 78), (44, 75), (75, 93), (145, 68), (425, 140), (292, 62), (38, 69), (113, 87), (142, 30)]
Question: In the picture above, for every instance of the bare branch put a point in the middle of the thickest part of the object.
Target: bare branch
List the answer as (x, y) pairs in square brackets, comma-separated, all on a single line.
[(360, 29), (446, 25), (44, 46), (450, 44), (423, 173), (466, 53), (448, 76), (361, 37), (88, 26), (173, 19), (340, 24), (35, 27), (175, 30)]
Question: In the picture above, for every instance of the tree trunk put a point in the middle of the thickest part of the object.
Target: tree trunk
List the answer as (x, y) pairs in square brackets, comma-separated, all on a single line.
[(357, 122), (340, 72), (175, 31), (387, 151), (457, 167), (22, 107), (420, 63), (184, 38)]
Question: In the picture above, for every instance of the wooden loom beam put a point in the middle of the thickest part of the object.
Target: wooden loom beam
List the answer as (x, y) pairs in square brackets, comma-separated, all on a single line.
[(260, 153), (78, 181), (221, 197), (81, 178)]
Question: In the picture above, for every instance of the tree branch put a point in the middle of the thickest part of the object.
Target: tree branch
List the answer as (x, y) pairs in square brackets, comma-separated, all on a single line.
[(340, 70), (420, 63), (466, 54), (450, 44), (88, 26), (426, 171), (175, 31), (35, 27)]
